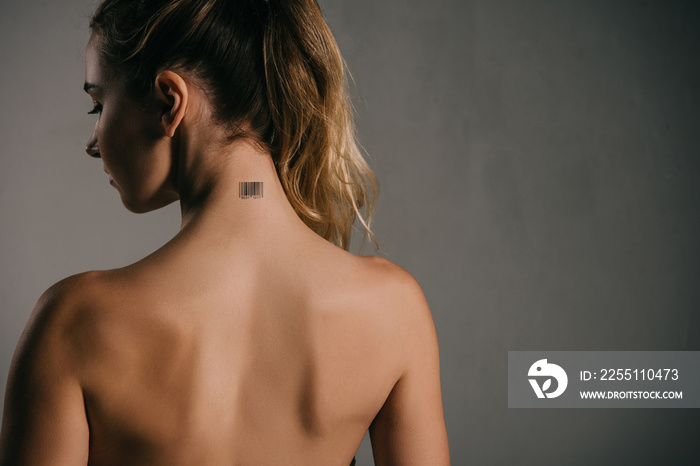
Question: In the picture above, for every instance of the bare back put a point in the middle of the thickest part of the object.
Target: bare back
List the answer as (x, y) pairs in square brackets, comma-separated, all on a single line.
[(213, 351), (189, 359)]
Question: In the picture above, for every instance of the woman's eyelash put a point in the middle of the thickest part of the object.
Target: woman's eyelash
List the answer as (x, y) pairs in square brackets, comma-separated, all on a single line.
[(96, 110)]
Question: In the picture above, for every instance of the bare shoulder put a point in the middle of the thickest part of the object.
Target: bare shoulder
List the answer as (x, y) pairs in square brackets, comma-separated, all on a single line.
[(399, 290), (401, 299), (44, 420), (410, 426), (66, 327), (47, 335), (58, 305)]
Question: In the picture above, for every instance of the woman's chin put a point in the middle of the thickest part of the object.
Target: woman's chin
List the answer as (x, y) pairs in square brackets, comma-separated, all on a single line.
[(142, 206)]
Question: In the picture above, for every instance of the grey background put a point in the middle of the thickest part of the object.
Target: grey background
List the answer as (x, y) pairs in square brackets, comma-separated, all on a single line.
[(539, 169)]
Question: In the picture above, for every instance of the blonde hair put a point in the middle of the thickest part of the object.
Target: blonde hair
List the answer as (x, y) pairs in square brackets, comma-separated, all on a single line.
[(290, 89)]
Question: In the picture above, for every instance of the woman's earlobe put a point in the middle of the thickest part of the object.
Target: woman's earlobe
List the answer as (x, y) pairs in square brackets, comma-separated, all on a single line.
[(172, 94)]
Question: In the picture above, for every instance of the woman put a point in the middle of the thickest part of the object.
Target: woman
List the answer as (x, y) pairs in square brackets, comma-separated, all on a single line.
[(252, 337)]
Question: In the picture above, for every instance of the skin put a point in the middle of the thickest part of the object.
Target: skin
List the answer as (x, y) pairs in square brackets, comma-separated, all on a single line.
[(246, 339)]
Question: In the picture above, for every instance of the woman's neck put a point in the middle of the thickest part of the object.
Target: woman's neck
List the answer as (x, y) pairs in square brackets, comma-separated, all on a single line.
[(210, 196)]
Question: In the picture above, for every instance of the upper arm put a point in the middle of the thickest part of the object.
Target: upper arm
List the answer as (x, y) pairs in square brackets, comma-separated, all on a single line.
[(410, 427), (44, 420)]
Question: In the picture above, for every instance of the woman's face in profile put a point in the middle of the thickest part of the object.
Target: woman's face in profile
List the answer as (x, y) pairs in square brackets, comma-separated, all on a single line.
[(128, 138)]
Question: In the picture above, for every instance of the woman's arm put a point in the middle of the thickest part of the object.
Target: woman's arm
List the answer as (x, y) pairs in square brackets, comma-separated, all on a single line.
[(44, 420), (410, 427)]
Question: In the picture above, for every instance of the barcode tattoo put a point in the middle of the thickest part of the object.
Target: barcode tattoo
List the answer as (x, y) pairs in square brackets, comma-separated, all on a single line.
[(250, 189)]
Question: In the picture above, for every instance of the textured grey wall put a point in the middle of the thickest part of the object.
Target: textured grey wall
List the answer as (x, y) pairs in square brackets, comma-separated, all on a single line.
[(539, 171)]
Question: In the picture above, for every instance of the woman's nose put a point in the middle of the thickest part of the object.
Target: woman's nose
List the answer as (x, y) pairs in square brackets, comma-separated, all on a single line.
[(92, 148)]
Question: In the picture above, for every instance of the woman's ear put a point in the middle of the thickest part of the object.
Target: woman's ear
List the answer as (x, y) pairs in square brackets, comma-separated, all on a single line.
[(172, 93)]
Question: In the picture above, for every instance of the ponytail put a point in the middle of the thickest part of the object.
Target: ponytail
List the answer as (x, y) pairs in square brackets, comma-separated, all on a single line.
[(272, 66), (323, 173)]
